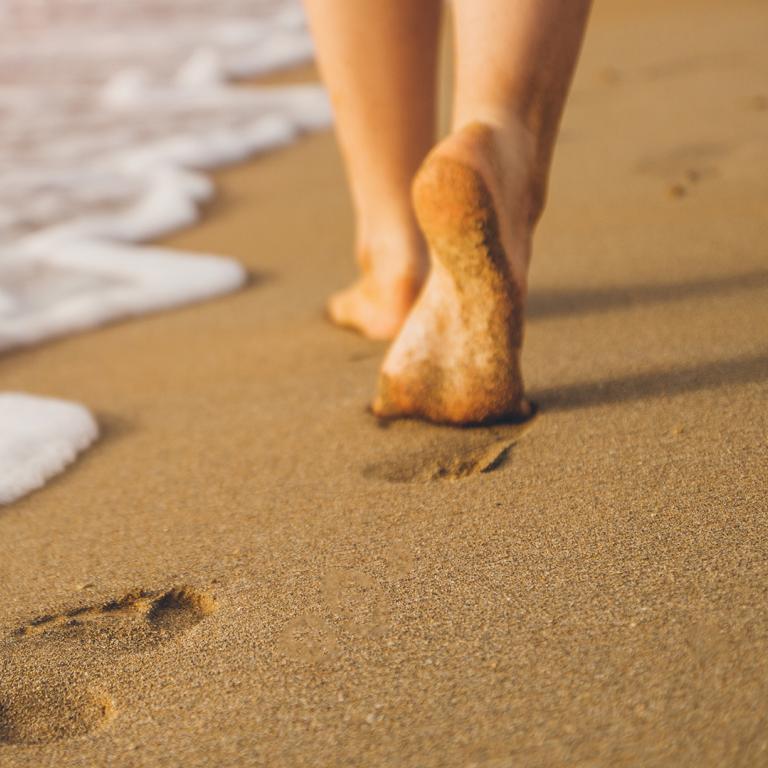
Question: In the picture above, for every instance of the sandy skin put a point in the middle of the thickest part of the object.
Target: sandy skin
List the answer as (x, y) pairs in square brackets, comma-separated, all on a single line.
[(457, 358)]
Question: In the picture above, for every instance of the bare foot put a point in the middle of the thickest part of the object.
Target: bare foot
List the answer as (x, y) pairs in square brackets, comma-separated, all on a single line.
[(457, 357), (377, 304), (374, 308)]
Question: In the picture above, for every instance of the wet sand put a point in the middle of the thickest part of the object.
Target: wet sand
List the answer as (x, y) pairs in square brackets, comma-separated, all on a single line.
[(589, 591)]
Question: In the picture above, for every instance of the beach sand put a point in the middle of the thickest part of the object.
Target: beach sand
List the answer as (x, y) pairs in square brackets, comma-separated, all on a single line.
[(248, 570)]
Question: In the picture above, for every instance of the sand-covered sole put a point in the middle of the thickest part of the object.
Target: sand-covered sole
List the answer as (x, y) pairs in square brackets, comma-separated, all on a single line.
[(477, 379)]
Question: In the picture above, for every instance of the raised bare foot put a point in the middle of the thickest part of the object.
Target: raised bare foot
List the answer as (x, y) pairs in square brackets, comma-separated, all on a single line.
[(392, 275), (457, 357)]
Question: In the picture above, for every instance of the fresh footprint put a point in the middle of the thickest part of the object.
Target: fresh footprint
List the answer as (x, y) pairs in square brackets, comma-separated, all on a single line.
[(421, 453)]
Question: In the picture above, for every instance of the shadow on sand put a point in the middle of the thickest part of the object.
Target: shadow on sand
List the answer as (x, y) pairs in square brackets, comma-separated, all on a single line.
[(747, 369), (559, 303)]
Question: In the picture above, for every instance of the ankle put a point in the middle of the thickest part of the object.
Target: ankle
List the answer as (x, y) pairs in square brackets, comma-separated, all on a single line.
[(518, 158), (393, 254)]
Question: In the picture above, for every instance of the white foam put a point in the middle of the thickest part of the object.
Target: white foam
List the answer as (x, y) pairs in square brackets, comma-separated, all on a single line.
[(39, 436), (111, 111), (87, 283), (106, 104)]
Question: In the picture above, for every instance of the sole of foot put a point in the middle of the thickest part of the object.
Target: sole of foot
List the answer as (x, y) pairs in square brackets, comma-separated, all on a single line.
[(457, 357)]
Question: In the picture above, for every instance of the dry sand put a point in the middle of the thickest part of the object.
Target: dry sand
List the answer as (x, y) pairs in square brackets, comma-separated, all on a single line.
[(367, 597)]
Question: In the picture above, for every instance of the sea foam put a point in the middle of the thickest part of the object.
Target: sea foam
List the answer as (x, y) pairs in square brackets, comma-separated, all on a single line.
[(40, 436), (111, 114)]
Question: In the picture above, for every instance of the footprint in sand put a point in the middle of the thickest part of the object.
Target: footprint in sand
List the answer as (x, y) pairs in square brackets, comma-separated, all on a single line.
[(308, 638), (48, 703), (43, 713), (356, 602), (400, 560), (134, 622), (418, 467), (684, 167), (355, 607), (443, 453)]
